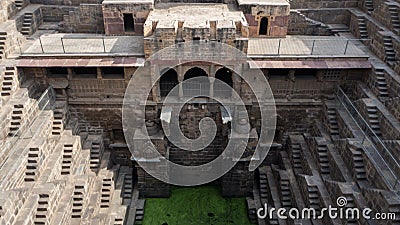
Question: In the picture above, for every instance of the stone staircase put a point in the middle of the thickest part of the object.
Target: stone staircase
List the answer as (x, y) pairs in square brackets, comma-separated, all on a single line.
[(358, 163), (296, 158), (319, 150), (389, 50), (34, 158), (106, 189), (27, 24), (10, 81), (285, 192), (96, 152), (19, 4), (336, 29), (331, 118), (373, 120), (42, 210), (362, 27), (351, 204), (57, 123), (77, 201), (60, 116), (323, 159), (369, 5), (17, 118), (55, 162), (313, 197), (139, 211), (67, 159), (127, 188), (263, 186), (394, 16), (3, 38), (381, 83)]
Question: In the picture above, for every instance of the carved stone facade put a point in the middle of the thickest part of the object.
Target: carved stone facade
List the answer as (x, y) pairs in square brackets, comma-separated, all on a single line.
[(333, 67)]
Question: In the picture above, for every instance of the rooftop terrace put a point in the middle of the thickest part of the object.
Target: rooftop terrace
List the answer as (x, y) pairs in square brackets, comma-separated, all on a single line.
[(85, 44), (263, 2), (195, 16), (318, 46), (289, 52)]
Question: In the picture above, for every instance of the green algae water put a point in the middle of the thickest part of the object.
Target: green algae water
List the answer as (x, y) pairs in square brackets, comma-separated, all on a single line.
[(195, 206)]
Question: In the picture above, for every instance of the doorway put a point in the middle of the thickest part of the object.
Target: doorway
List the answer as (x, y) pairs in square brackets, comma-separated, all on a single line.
[(263, 26)]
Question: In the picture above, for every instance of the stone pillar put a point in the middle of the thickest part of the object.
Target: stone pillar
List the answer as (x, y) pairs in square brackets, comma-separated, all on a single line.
[(213, 30), (155, 75), (212, 74), (99, 75), (237, 80), (179, 31), (211, 88), (291, 76), (180, 79), (290, 79), (70, 73)]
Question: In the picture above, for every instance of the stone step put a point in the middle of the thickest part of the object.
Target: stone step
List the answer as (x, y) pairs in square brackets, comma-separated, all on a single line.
[(372, 109), (381, 89)]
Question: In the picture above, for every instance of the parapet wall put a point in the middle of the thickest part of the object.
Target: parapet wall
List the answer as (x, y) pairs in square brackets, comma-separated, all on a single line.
[(66, 2), (314, 4)]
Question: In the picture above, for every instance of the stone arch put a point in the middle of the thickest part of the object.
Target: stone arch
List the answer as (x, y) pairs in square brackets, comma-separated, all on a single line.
[(195, 88), (168, 80), (225, 75), (194, 72)]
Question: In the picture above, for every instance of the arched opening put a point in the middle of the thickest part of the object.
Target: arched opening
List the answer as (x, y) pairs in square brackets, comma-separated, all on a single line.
[(168, 80), (191, 88), (263, 26), (225, 75)]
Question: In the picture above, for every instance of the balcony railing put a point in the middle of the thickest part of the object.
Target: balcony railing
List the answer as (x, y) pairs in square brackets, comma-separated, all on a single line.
[(373, 146)]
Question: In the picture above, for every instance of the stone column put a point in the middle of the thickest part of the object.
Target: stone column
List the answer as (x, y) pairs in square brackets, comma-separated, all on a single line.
[(211, 88), (99, 75), (70, 73), (212, 74), (290, 79), (155, 74), (236, 79), (180, 79)]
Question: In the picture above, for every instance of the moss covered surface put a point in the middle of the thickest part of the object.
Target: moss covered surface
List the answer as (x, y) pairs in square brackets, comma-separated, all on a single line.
[(195, 206)]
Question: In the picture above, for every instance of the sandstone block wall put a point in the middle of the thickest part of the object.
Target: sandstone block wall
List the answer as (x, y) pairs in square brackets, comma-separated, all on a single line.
[(314, 4), (278, 19), (55, 13), (65, 2), (87, 18), (299, 24), (114, 17)]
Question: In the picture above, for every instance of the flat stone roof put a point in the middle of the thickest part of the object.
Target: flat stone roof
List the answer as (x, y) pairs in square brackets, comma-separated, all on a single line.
[(128, 1), (195, 16), (310, 46), (83, 44), (263, 2)]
